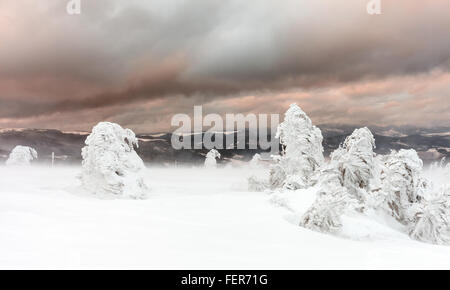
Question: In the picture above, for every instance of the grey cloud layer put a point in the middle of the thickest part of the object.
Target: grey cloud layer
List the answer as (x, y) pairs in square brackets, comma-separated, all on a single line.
[(120, 52)]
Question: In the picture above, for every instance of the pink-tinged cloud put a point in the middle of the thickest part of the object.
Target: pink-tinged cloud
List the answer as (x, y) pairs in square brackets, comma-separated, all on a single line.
[(139, 62)]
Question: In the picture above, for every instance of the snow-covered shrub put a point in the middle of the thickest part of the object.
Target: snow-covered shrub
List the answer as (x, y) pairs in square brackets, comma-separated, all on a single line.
[(302, 150), (354, 159), (332, 201), (256, 161), (430, 222), (439, 170), (438, 164), (402, 182), (256, 184), (210, 160), (110, 164), (277, 173), (21, 156)]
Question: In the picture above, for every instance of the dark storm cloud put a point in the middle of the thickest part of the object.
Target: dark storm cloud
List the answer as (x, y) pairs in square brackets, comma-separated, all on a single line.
[(124, 52)]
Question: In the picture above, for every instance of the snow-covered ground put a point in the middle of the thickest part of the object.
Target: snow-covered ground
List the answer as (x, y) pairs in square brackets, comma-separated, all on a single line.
[(195, 218)]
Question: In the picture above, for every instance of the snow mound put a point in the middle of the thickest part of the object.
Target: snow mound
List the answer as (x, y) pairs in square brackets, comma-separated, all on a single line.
[(21, 156), (110, 164)]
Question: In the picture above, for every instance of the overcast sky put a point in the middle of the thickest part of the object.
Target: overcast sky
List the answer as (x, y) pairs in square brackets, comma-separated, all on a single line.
[(139, 62)]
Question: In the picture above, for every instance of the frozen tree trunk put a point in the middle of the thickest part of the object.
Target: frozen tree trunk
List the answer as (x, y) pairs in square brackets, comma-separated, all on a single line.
[(110, 164), (210, 161), (21, 156)]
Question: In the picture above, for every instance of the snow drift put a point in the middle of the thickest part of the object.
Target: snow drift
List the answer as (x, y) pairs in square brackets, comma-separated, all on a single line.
[(110, 164)]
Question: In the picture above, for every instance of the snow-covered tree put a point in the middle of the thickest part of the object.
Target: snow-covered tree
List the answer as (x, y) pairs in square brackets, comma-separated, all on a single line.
[(402, 182), (21, 156), (256, 161), (210, 160), (438, 164), (356, 180), (256, 184), (277, 173), (431, 221), (302, 152), (110, 164), (331, 203), (354, 159)]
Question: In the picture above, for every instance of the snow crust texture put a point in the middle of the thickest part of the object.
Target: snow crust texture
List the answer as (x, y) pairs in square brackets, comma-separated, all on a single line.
[(110, 164), (21, 156)]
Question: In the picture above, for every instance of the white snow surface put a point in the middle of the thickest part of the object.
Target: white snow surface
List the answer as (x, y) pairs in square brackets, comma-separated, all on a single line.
[(194, 218)]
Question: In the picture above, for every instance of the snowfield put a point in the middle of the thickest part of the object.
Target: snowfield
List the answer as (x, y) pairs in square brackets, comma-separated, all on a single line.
[(194, 218)]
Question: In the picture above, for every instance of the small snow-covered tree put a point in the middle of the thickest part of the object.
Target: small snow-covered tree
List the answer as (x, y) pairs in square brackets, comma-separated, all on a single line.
[(431, 221), (354, 159), (255, 183), (277, 173), (256, 161), (331, 203), (21, 156), (210, 160), (110, 164), (302, 152), (402, 183), (343, 183)]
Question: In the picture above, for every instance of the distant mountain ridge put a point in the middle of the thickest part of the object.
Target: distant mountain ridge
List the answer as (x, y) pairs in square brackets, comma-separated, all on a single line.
[(432, 144)]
